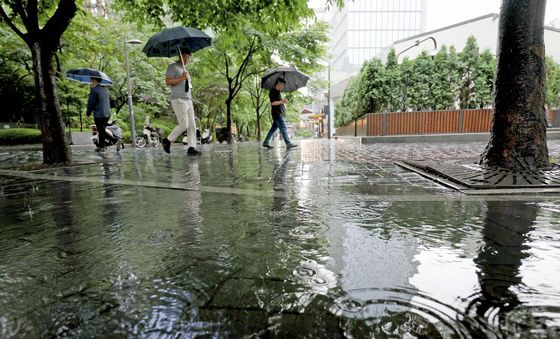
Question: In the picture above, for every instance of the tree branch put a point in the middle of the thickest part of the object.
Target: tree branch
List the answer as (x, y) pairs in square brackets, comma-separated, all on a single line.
[(217, 68), (32, 16), (59, 22), (245, 63), (227, 66), (12, 25), (17, 6)]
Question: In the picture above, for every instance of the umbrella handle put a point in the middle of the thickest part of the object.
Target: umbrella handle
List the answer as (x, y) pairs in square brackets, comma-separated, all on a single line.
[(181, 58)]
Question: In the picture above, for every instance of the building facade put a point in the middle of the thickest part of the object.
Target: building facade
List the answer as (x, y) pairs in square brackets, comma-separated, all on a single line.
[(364, 29)]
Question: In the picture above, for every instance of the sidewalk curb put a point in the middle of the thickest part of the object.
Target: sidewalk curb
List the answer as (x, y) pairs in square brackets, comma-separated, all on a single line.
[(553, 134)]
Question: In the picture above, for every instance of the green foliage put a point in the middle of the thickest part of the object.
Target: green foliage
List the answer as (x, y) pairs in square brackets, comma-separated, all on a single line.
[(552, 84), (484, 80), (443, 84), (19, 136), (392, 88), (303, 47), (422, 81), (17, 87), (444, 81), (371, 86), (407, 76), (468, 63), (347, 108), (454, 74), (220, 15), (305, 133)]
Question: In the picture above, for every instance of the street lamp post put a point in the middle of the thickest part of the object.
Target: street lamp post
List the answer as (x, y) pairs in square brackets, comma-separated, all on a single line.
[(130, 110), (418, 42)]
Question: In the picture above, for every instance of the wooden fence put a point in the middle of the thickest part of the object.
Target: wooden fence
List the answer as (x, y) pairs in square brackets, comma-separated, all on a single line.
[(426, 122)]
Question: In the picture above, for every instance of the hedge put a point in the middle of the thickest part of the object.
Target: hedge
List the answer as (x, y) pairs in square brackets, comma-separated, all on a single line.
[(19, 136)]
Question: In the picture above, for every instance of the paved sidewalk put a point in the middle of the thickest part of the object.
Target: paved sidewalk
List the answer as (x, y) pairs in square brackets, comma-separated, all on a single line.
[(327, 240)]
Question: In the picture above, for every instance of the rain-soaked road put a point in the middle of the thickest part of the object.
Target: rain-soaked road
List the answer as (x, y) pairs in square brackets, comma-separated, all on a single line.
[(327, 240)]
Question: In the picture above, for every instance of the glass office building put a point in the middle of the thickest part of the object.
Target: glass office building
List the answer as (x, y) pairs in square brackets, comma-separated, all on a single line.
[(364, 29)]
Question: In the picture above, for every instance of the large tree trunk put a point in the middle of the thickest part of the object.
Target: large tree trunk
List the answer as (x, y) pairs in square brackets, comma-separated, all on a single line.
[(43, 43), (55, 147), (518, 139)]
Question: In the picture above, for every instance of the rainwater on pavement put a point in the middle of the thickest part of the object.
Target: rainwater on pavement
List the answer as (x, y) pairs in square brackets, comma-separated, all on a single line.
[(327, 240)]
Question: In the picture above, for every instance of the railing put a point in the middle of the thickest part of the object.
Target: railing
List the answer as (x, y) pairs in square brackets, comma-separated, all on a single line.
[(426, 122)]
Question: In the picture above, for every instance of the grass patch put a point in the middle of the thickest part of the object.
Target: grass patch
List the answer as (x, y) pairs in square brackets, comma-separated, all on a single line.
[(20, 136)]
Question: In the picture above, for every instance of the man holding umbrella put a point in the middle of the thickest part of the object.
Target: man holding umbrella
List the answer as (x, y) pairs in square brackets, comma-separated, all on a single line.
[(171, 42), (99, 104), (281, 79), (181, 100), (278, 111)]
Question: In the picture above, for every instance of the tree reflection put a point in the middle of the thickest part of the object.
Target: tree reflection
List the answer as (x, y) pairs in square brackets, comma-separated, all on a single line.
[(67, 234), (506, 226)]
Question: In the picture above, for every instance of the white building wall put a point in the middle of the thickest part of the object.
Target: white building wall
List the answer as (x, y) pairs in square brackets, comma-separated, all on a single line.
[(552, 43), (364, 29), (484, 29)]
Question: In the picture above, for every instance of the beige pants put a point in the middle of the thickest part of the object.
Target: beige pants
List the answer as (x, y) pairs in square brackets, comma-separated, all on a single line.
[(184, 111)]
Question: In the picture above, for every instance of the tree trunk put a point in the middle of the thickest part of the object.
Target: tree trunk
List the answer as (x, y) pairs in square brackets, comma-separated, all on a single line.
[(55, 147), (518, 138), (259, 136), (228, 117)]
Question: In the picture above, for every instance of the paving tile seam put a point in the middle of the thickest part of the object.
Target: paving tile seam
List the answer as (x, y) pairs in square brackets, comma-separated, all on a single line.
[(153, 184), (479, 196)]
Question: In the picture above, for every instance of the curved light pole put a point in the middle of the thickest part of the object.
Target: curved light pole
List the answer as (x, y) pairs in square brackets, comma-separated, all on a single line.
[(130, 110), (418, 42)]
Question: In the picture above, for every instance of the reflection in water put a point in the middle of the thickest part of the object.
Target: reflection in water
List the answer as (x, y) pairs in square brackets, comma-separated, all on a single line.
[(279, 184), (190, 217), (499, 258), (67, 235)]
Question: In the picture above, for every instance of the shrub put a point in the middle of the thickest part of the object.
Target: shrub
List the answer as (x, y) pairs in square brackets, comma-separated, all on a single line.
[(305, 133), (19, 136)]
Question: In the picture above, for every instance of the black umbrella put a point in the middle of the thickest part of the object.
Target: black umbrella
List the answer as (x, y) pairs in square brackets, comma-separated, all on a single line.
[(294, 78), (168, 42), (84, 75)]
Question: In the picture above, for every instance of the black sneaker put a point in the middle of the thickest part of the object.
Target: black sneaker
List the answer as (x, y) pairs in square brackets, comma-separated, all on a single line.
[(288, 146), (193, 151), (166, 145), (267, 146)]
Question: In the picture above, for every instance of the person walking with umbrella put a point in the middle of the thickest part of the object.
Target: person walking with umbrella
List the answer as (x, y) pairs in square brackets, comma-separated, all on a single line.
[(181, 100), (171, 42), (99, 104), (278, 111), (281, 79)]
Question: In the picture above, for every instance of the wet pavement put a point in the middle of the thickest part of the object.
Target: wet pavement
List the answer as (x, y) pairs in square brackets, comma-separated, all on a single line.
[(328, 240)]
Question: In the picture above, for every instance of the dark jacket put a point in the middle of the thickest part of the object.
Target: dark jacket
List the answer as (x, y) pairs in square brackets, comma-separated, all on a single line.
[(98, 102)]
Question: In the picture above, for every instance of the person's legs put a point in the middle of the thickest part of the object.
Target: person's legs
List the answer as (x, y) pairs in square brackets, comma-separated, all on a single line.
[(191, 130), (271, 132), (191, 124), (180, 107), (283, 130), (101, 124)]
